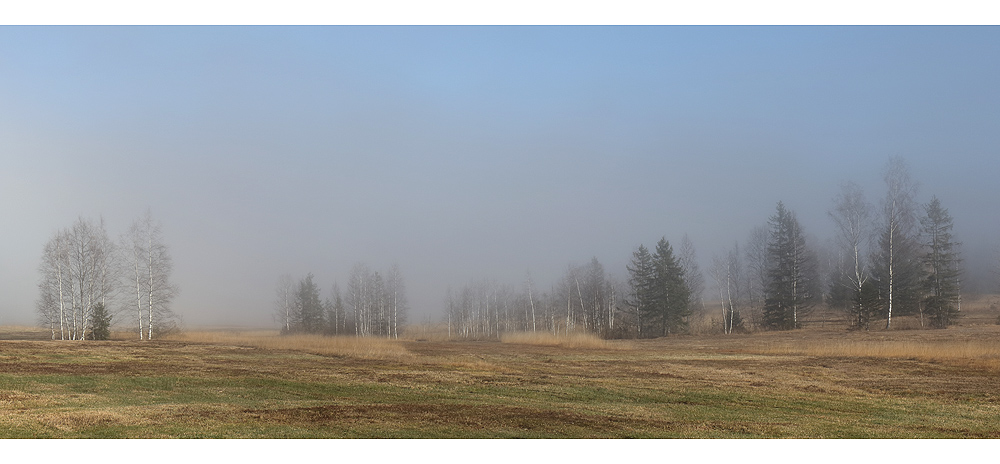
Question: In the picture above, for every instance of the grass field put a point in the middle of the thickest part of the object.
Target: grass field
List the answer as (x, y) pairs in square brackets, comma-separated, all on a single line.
[(810, 383)]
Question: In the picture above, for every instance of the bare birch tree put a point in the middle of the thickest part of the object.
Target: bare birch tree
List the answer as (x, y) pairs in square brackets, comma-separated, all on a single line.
[(78, 271), (693, 277), (396, 296), (283, 302), (853, 215), (728, 273), (148, 260), (54, 285), (720, 274), (336, 314), (531, 303), (896, 262)]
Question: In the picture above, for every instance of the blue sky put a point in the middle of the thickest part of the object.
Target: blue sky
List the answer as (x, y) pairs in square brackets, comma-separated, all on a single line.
[(461, 152)]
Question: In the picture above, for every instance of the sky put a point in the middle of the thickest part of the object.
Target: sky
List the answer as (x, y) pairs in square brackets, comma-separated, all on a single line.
[(464, 153)]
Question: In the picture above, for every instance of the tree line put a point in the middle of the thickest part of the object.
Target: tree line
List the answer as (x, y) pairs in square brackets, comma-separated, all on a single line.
[(586, 298), (655, 300), (887, 261), (373, 305), (87, 280)]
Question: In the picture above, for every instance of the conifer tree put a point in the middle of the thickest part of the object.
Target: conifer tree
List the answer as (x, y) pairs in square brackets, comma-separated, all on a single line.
[(100, 323), (640, 280), (792, 279), (308, 308), (671, 293), (941, 264)]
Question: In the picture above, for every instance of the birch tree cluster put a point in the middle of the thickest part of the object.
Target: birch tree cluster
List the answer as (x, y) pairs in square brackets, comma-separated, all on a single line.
[(374, 304), (887, 260), (88, 280), (585, 299)]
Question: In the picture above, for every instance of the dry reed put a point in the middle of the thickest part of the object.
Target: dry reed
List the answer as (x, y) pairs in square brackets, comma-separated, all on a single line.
[(979, 352), (357, 347), (426, 333), (571, 340)]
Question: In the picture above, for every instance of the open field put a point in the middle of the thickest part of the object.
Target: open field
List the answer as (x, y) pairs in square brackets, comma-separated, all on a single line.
[(817, 382)]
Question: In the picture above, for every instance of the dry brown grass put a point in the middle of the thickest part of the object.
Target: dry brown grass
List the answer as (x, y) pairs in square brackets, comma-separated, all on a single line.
[(907, 349), (69, 421), (426, 332), (823, 383), (969, 346), (357, 347), (20, 332), (571, 340)]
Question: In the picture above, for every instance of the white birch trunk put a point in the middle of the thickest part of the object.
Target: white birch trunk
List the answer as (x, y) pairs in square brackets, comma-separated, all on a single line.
[(150, 301), (888, 321), (138, 297), (62, 304), (732, 309), (532, 303)]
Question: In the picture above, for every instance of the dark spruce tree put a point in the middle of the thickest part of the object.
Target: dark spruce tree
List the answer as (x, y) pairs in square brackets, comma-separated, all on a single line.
[(100, 323), (308, 309), (670, 292), (840, 295), (941, 264), (640, 279), (792, 275), (660, 296)]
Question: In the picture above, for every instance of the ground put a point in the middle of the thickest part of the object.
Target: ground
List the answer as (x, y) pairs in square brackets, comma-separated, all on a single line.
[(810, 383)]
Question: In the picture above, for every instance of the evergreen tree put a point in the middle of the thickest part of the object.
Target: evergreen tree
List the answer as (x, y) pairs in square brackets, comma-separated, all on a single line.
[(307, 307), (792, 280), (941, 263), (100, 323), (840, 294), (670, 292), (640, 280)]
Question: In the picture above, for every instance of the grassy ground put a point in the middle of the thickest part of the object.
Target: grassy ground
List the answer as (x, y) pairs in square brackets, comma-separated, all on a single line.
[(817, 382)]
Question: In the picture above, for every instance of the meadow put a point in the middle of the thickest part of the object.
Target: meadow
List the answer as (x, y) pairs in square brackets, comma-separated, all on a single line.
[(817, 382)]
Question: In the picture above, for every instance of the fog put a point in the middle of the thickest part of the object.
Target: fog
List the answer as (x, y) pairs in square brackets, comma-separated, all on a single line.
[(463, 153)]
